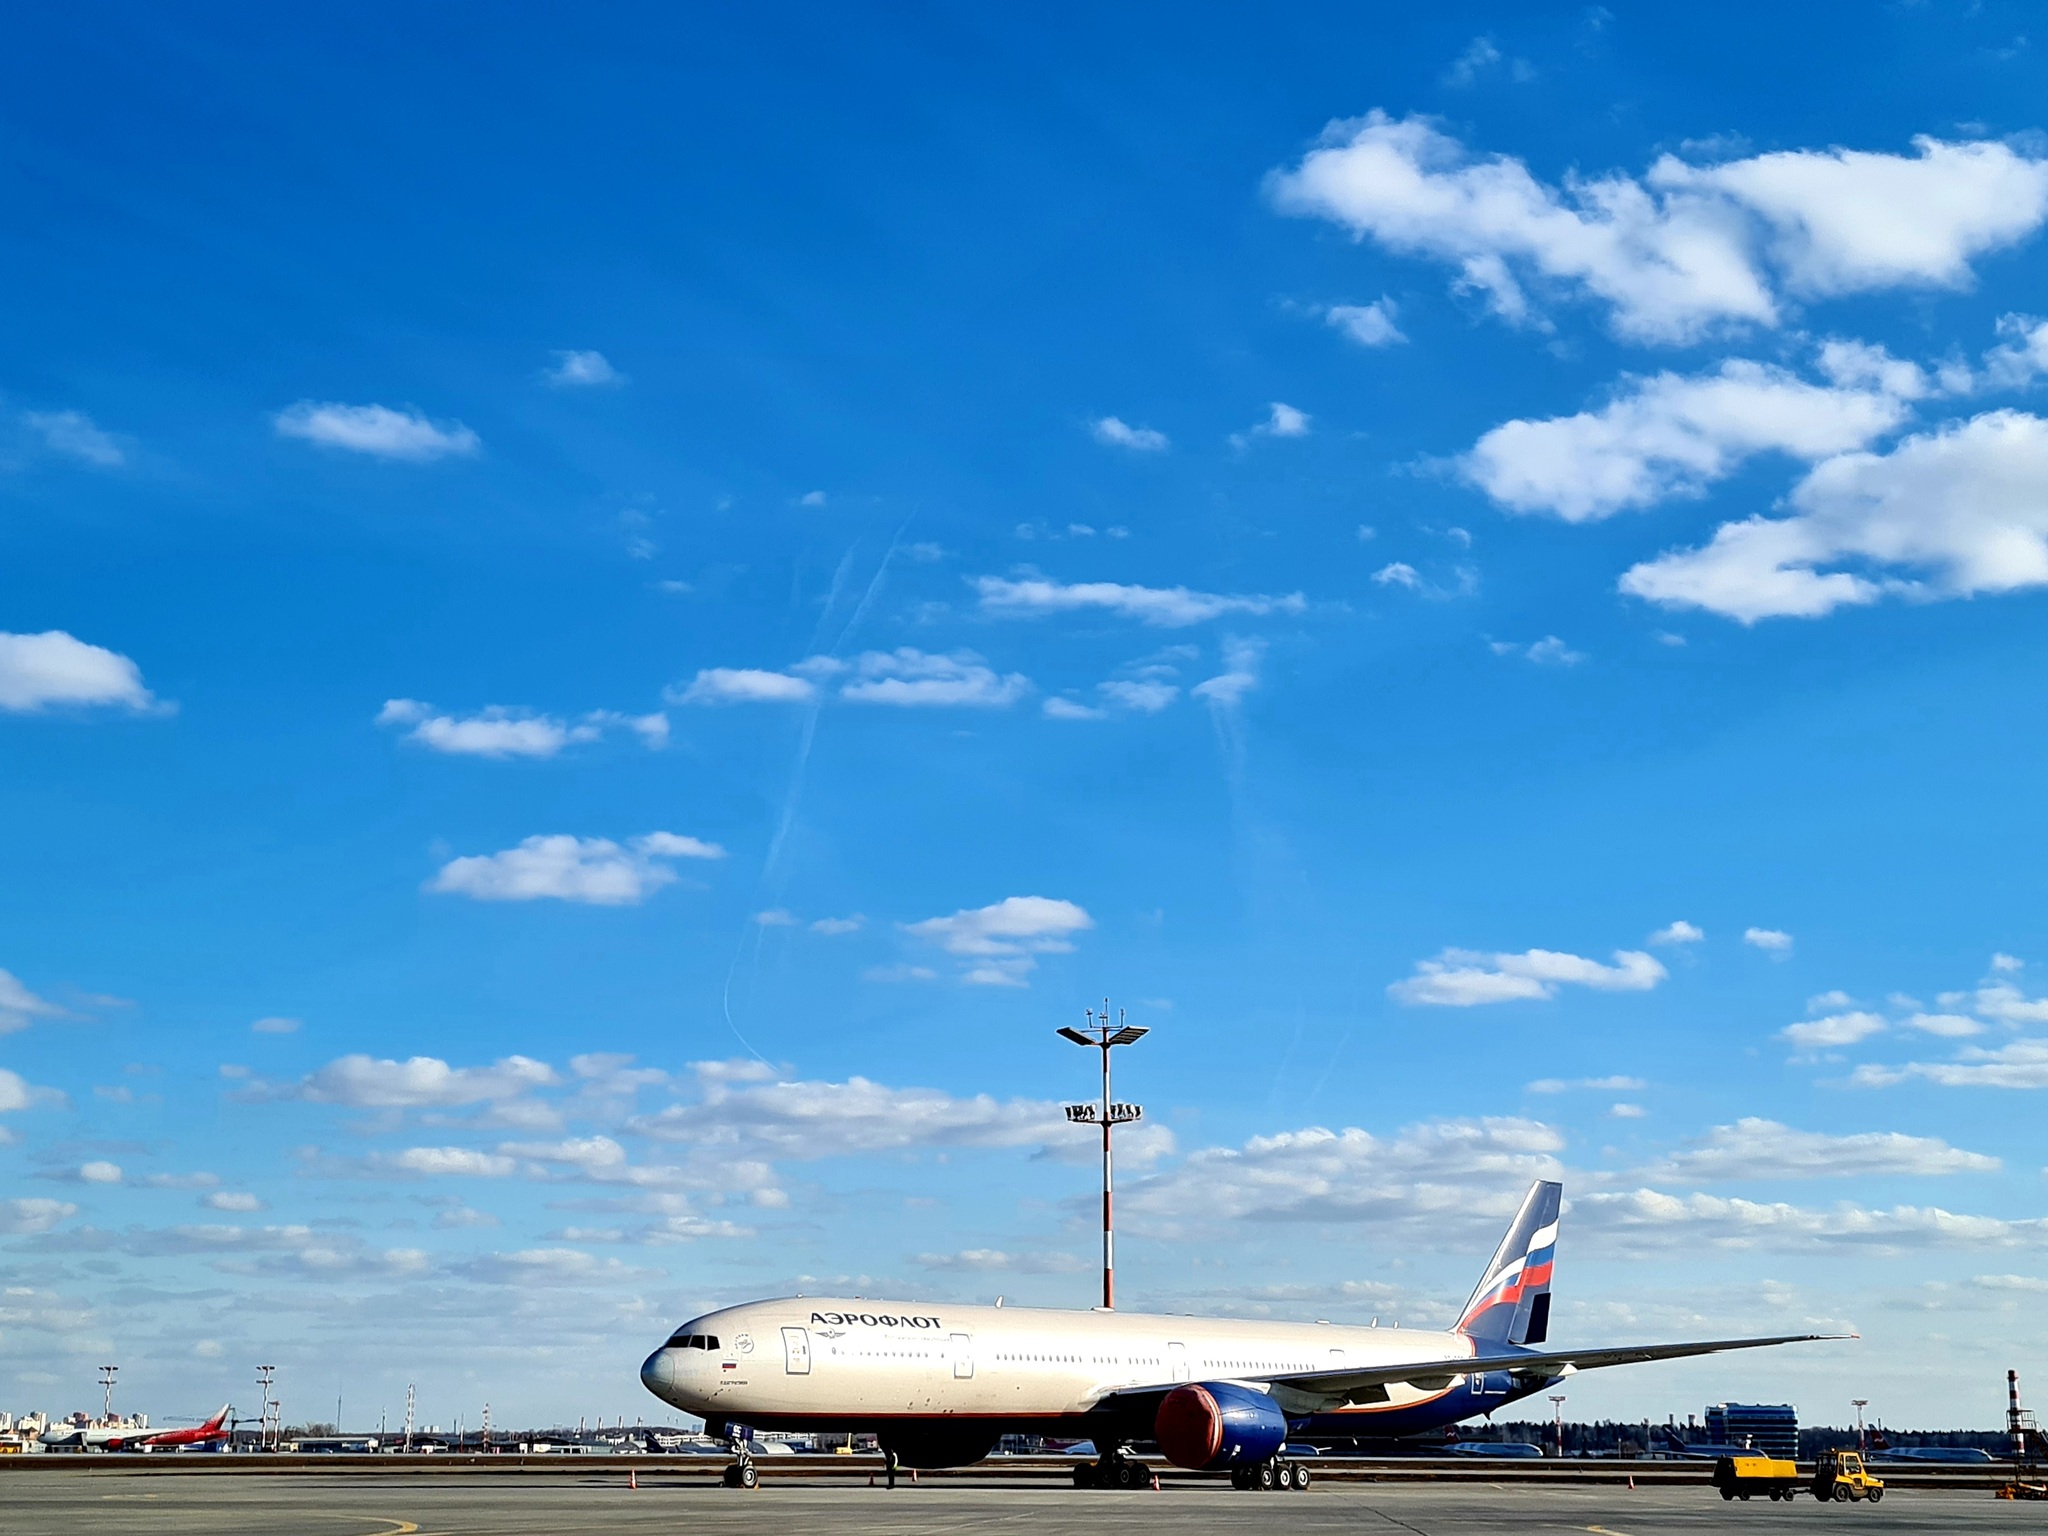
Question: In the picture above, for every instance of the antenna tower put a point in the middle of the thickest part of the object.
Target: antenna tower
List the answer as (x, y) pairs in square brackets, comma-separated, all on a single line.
[(1103, 1034), (271, 1425)]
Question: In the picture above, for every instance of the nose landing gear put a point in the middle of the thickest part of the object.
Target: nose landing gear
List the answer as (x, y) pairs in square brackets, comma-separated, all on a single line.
[(741, 1473)]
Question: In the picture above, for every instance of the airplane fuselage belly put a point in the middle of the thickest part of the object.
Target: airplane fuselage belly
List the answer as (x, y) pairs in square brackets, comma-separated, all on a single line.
[(837, 1364)]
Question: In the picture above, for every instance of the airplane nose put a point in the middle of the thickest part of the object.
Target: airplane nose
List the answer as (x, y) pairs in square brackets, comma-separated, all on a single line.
[(658, 1372)]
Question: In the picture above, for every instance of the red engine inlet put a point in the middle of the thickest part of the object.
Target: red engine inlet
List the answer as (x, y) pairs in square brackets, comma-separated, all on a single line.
[(1189, 1427)]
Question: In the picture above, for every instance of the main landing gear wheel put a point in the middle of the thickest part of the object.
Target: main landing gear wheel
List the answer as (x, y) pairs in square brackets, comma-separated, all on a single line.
[(1300, 1478), (742, 1476), (1264, 1478)]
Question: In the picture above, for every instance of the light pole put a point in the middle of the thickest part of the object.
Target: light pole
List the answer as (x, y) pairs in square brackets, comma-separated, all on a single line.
[(1859, 1404), (1557, 1403), (1102, 1034), (107, 1375)]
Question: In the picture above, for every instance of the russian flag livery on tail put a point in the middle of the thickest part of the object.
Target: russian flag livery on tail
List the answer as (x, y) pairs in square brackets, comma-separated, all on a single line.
[(1512, 1302)]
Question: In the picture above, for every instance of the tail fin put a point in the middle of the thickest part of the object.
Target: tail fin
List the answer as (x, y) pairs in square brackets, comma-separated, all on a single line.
[(1512, 1302), (219, 1418)]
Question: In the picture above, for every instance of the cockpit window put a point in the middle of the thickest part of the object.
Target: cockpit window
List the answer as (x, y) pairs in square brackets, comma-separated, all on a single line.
[(694, 1341)]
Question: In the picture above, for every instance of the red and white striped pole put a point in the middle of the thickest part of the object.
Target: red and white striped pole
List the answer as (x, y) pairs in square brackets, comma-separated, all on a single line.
[(1104, 1035)]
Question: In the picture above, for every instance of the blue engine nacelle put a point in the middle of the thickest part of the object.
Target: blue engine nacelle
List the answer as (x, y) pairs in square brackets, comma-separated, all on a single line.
[(1206, 1426)]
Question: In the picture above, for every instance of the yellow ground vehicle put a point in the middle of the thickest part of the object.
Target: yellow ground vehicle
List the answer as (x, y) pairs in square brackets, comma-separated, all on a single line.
[(1840, 1476), (1740, 1477)]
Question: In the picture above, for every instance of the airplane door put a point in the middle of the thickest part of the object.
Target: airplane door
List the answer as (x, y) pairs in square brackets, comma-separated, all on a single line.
[(963, 1357), (1177, 1357), (796, 1351)]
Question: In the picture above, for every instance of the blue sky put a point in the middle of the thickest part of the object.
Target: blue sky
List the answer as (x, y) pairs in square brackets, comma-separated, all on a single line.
[(606, 621)]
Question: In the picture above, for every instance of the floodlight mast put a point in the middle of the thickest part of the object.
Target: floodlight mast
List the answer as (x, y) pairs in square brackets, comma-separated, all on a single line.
[(1103, 1034)]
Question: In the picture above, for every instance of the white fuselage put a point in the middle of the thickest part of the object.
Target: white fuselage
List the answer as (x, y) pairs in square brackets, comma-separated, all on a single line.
[(825, 1363)]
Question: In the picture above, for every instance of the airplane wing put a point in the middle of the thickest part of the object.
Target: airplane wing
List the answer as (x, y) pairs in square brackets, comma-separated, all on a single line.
[(1435, 1375)]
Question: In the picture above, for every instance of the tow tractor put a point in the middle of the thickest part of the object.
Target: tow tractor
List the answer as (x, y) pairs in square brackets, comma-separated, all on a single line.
[(1841, 1476)]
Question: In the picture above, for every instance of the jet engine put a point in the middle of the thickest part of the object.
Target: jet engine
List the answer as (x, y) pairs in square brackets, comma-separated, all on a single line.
[(1205, 1426), (931, 1445)]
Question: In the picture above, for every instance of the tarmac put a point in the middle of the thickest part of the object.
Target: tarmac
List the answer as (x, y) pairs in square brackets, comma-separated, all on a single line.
[(163, 1503)]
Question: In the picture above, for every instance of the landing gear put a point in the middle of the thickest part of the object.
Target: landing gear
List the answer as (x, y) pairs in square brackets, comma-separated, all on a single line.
[(1113, 1469), (1275, 1475), (741, 1473)]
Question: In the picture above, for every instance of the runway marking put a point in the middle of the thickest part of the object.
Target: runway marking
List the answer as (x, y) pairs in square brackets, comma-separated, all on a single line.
[(1601, 1530)]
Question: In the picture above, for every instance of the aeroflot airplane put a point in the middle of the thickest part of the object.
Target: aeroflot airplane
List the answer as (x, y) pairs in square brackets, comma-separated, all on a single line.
[(937, 1384)]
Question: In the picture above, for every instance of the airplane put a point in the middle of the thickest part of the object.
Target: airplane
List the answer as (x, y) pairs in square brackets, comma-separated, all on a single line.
[(938, 1384), (95, 1437)]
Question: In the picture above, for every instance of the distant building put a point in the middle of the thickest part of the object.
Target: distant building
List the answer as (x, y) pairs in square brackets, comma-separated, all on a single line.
[(1772, 1429)]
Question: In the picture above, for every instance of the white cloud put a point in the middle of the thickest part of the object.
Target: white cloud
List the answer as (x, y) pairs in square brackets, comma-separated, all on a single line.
[(1146, 696), (1674, 435), (1830, 1001), (1627, 1112), (1399, 573), (812, 499), (421, 1082), (231, 1200), (496, 731), (1002, 939), (595, 870), (899, 973), (2019, 1064), (1240, 674), (1370, 325), (1949, 513), (1122, 435), (591, 1154), (810, 1120), (1057, 708), (835, 926), (1647, 1220), (743, 685), (776, 917), (1680, 932), (18, 1005), (73, 434), (1161, 607), (275, 1025), (33, 1217), (1463, 978), (1763, 1149), (1482, 59), (100, 1172), (15, 1092), (1846, 221), (1597, 1084), (1687, 248), (992, 1261), (377, 430), (461, 1162), (573, 369), (1547, 652), (912, 679), (1949, 1026), (1434, 1181), (2007, 963), (1771, 941), (1835, 1029), (1282, 420), (55, 669)]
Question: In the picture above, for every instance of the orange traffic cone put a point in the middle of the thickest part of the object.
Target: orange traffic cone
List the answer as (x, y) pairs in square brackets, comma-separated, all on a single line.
[(632, 1477), (1155, 1482), (1631, 1481)]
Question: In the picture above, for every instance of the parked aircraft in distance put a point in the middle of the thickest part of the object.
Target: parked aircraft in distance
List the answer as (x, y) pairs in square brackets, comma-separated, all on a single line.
[(100, 1437), (938, 1384)]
